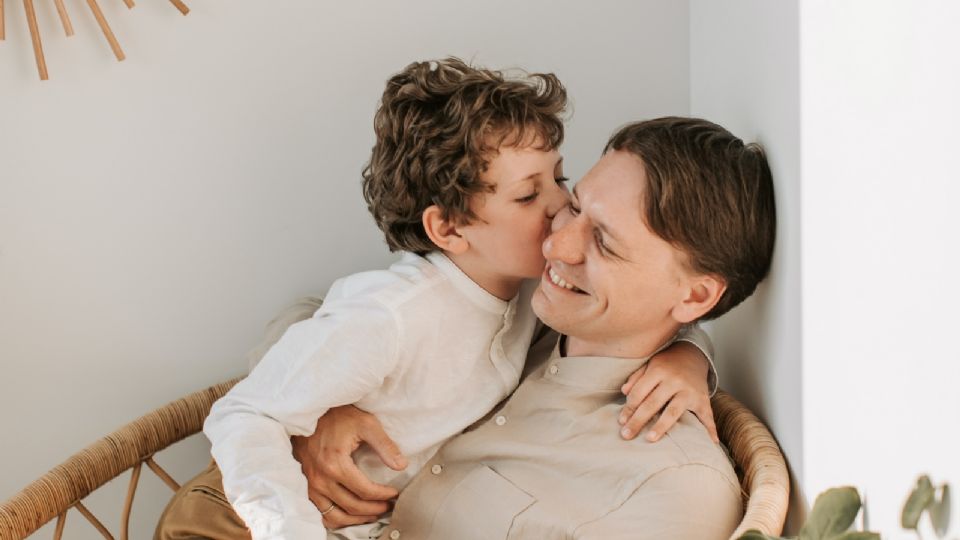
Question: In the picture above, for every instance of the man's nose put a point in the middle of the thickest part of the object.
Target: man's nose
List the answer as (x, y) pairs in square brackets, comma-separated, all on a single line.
[(565, 242)]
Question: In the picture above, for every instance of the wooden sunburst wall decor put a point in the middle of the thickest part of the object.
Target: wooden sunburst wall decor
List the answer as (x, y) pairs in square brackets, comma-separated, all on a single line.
[(68, 27)]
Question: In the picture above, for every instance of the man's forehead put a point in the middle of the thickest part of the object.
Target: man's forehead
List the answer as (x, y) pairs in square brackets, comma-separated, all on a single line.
[(597, 208)]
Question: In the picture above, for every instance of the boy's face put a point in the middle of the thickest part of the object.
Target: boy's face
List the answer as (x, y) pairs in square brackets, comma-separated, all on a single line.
[(513, 221)]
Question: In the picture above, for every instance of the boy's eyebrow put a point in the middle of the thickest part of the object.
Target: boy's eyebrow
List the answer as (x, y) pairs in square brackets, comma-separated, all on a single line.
[(536, 174), (600, 224)]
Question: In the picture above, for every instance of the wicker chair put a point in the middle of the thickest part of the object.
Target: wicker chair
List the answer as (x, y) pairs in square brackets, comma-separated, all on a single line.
[(759, 463)]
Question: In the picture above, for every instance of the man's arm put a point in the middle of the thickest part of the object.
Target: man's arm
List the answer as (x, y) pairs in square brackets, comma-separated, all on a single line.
[(689, 502), (678, 379), (333, 478)]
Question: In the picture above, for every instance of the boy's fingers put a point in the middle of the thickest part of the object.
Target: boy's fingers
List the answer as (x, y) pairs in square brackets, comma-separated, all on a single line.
[(667, 420), (637, 395), (644, 412), (705, 414), (628, 386), (353, 479), (373, 434)]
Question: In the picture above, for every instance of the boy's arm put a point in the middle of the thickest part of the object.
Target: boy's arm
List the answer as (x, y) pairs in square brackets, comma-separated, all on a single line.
[(313, 367), (678, 379)]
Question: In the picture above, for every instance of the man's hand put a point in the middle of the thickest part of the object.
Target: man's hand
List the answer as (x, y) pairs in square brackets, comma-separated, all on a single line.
[(337, 487), (675, 378)]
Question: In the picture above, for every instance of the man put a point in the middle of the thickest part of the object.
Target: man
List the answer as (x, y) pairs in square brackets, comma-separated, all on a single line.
[(674, 224)]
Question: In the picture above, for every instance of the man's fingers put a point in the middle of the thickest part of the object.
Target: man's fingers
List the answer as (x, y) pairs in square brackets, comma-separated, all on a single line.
[(336, 518), (352, 478), (333, 516), (374, 435), (628, 386), (353, 505), (645, 412), (668, 418)]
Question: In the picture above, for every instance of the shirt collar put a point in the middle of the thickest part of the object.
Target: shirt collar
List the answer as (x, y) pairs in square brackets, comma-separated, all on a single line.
[(604, 373), (468, 287)]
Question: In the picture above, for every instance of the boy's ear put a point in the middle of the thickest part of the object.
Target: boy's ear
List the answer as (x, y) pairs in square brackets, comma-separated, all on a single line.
[(703, 292), (443, 233)]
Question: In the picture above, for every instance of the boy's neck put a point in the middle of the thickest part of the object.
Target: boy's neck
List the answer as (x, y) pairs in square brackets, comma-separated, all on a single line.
[(495, 284)]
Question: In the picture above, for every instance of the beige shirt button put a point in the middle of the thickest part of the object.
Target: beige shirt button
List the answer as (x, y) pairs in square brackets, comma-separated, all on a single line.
[(554, 369), (500, 420), (394, 535), (436, 469)]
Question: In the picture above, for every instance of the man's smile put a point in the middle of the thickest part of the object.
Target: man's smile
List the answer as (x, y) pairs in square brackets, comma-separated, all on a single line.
[(560, 282)]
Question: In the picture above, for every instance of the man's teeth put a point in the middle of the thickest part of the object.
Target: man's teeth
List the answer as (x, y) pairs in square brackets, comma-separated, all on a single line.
[(557, 280)]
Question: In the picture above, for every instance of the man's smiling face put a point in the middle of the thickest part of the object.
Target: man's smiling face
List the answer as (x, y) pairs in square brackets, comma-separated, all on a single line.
[(611, 284)]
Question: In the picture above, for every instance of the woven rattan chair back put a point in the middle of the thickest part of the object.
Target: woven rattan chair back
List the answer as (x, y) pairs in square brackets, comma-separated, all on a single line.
[(759, 463)]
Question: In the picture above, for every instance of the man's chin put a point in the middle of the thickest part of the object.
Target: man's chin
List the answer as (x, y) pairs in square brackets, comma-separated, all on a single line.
[(547, 311)]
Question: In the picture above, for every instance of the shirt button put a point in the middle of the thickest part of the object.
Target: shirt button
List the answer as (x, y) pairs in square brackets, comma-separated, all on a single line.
[(500, 420), (436, 469), (554, 369), (394, 535)]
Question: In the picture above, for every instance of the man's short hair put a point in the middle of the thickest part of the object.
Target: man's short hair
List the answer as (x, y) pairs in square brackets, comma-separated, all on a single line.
[(437, 126), (708, 194)]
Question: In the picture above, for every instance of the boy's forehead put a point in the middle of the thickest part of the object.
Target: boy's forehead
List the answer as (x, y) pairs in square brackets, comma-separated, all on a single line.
[(514, 165)]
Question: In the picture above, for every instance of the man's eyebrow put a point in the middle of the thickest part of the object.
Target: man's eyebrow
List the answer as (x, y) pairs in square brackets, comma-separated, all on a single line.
[(599, 223)]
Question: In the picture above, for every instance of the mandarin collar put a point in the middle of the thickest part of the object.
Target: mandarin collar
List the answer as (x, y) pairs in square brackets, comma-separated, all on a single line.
[(600, 373), (468, 287)]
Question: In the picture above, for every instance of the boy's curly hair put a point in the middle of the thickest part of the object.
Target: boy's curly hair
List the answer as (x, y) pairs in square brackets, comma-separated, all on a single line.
[(438, 124)]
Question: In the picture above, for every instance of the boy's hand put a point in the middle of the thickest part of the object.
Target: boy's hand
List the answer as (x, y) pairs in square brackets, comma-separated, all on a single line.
[(337, 487), (675, 378)]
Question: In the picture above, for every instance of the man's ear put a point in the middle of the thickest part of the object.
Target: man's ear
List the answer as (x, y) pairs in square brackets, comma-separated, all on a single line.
[(703, 292), (443, 233)]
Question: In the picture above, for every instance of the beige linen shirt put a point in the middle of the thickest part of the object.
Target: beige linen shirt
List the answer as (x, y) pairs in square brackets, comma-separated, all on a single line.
[(549, 463)]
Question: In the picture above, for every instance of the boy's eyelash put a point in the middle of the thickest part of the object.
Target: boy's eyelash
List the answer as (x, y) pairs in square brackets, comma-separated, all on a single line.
[(561, 179), (528, 198)]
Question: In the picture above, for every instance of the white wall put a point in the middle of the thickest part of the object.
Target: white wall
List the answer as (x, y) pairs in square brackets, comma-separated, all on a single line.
[(155, 213), (880, 215), (744, 75)]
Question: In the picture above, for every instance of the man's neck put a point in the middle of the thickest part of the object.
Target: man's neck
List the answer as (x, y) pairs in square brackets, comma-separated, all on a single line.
[(640, 345)]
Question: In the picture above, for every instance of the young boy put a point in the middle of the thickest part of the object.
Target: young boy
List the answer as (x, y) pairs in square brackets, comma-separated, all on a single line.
[(464, 178)]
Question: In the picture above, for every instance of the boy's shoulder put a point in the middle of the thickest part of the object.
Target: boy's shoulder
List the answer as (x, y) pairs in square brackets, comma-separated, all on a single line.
[(407, 279)]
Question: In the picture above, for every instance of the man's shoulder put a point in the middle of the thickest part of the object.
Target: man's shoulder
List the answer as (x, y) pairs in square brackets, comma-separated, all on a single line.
[(689, 444)]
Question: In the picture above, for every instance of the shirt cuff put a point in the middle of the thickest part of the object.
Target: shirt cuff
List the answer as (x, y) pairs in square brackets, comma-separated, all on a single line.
[(713, 379)]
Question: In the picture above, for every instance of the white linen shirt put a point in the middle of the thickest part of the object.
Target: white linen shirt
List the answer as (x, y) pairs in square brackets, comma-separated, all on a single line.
[(419, 345)]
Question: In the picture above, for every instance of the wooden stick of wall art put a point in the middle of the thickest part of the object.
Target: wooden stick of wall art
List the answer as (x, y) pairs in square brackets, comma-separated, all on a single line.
[(34, 27), (35, 36), (181, 6), (64, 17), (107, 32)]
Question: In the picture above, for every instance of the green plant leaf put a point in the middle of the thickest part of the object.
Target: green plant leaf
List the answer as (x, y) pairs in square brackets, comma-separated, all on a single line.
[(940, 512), (754, 534), (918, 500), (833, 512), (857, 535)]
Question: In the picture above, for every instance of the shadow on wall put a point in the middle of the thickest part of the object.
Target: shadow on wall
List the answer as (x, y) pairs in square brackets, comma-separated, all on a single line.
[(754, 352)]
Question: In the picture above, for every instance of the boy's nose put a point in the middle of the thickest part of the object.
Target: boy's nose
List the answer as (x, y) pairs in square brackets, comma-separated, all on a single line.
[(558, 197)]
